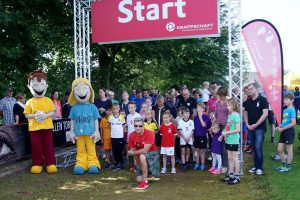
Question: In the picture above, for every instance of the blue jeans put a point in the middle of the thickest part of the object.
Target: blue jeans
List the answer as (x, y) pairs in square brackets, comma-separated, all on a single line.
[(257, 140)]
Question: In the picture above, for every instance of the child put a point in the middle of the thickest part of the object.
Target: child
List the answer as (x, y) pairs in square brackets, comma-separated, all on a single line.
[(202, 123), (130, 117), (177, 140), (148, 102), (212, 117), (168, 132), (130, 121), (197, 96), (149, 123), (105, 135), (186, 130), (216, 149), (232, 140), (205, 92), (123, 112), (117, 126), (143, 110), (159, 109), (287, 133)]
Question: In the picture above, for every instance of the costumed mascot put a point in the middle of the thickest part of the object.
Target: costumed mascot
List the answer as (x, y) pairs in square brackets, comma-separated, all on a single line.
[(84, 117), (39, 111)]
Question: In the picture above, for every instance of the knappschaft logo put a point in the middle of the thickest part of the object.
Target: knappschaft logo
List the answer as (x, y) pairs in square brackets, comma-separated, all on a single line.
[(170, 26)]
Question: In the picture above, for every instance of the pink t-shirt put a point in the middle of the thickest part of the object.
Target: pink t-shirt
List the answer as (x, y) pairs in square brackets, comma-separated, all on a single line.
[(212, 104), (57, 106)]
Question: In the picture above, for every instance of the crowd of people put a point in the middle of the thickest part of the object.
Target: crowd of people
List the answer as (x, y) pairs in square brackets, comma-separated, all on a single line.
[(187, 127)]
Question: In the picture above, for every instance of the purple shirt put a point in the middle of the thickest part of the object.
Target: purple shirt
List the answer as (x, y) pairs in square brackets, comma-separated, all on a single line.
[(216, 144), (221, 113), (199, 129)]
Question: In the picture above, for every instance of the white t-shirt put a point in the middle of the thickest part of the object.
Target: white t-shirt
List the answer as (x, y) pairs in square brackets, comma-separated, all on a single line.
[(116, 126), (130, 122), (186, 127), (205, 95)]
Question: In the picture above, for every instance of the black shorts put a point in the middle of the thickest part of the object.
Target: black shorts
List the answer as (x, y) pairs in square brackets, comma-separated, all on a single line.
[(232, 147), (287, 136), (271, 117), (158, 139), (200, 142), (186, 146)]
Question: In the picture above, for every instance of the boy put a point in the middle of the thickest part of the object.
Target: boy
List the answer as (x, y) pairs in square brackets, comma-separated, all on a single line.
[(130, 117), (168, 132), (186, 130), (117, 126), (105, 135), (202, 123), (287, 133), (130, 121)]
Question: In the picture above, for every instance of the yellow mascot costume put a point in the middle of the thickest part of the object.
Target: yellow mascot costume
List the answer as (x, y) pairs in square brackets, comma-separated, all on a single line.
[(84, 117)]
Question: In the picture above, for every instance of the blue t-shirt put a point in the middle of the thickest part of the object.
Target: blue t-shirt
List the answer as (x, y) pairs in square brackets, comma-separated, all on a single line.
[(287, 116), (84, 116), (139, 103)]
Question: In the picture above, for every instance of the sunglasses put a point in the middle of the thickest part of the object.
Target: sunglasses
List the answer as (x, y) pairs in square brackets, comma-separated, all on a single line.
[(138, 126)]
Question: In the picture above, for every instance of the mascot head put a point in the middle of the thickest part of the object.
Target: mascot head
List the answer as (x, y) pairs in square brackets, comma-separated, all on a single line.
[(37, 83), (82, 92)]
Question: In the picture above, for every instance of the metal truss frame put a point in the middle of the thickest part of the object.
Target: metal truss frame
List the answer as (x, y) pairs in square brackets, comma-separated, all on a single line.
[(82, 12), (235, 58)]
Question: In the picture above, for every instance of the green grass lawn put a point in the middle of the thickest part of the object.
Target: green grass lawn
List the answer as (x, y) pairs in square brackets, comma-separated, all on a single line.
[(189, 185)]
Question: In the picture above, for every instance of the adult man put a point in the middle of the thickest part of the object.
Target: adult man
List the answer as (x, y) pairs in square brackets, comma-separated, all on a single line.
[(146, 95), (6, 108), (187, 101), (256, 112), (144, 152)]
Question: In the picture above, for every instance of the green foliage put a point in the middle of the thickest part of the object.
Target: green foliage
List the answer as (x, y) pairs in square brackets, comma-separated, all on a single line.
[(39, 34), (30, 31)]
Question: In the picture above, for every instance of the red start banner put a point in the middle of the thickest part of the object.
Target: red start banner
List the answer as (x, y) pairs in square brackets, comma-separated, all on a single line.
[(116, 21)]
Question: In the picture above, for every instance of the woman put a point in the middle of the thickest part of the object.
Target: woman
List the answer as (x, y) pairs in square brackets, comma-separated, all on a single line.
[(18, 109), (57, 105)]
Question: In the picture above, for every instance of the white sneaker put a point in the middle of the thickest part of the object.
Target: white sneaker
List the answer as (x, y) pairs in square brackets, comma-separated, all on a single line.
[(253, 170), (259, 172), (163, 170), (173, 171), (224, 170)]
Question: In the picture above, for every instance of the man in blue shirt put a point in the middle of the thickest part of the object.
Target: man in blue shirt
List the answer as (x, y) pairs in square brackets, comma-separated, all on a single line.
[(6, 108)]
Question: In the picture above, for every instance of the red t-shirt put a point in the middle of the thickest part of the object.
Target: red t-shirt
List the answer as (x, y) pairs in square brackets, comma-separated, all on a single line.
[(137, 141), (168, 133)]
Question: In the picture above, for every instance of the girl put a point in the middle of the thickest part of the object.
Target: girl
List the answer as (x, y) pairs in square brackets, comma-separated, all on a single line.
[(216, 149), (143, 110), (168, 132), (232, 136), (149, 123)]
